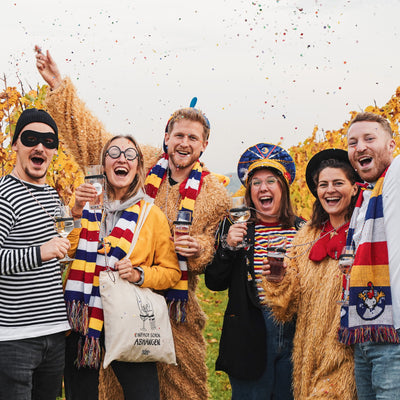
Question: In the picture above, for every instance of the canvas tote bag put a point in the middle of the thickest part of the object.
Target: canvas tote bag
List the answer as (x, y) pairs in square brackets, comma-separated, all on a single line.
[(136, 320)]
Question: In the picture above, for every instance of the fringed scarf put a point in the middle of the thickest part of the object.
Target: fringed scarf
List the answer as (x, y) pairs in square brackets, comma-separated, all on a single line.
[(177, 296), (82, 295), (369, 317)]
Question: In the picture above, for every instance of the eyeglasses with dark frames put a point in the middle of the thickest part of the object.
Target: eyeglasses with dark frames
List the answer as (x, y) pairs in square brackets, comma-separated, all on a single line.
[(130, 153)]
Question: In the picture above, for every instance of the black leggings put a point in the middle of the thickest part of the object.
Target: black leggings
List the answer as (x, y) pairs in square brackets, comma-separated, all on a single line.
[(139, 381)]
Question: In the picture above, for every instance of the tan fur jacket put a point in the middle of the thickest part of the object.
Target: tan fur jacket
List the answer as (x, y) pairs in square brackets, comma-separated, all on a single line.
[(84, 136), (323, 367)]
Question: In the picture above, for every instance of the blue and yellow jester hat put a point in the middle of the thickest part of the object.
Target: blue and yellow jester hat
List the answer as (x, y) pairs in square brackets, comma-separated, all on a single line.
[(268, 156)]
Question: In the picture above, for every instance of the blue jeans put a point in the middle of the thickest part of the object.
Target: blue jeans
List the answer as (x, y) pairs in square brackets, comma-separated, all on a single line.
[(377, 371), (276, 381), (32, 368)]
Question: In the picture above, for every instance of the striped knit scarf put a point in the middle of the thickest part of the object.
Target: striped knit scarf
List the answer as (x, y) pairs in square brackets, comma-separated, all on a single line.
[(82, 295), (177, 296), (369, 316)]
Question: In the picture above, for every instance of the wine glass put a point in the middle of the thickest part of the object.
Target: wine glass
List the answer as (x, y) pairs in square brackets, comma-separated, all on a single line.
[(94, 175), (346, 260), (63, 224), (240, 214), (239, 211)]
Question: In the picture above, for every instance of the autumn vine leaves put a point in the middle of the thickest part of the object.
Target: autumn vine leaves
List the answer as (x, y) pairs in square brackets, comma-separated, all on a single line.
[(65, 175)]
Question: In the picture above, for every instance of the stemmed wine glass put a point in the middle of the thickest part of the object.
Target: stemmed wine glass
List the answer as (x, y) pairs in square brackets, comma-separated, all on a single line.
[(63, 224), (346, 260), (240, 213)]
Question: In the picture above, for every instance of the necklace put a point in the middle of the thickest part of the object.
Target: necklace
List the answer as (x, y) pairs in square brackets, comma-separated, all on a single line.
[(57, 200), (312, 242), (175, 208)]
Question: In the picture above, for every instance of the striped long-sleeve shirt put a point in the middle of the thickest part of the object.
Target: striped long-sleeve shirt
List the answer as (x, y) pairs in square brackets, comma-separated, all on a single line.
[(31, 296), (268, 235)]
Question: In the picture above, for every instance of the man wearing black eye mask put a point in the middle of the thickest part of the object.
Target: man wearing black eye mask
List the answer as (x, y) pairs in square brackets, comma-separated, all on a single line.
[(32, 138), (33, 317), (35, 141)]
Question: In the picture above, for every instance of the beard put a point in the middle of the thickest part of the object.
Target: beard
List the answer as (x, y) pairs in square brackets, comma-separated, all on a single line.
[(35, 177), (180, 163)]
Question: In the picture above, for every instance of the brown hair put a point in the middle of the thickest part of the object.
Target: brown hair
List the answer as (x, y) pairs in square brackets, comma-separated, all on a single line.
[(319, 215), (371, 117), (138, 181), (286, 215), (192, 114)]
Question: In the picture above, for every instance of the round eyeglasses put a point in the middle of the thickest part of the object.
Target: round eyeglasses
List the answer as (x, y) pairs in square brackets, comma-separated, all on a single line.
[(269, 182), (130, 153)]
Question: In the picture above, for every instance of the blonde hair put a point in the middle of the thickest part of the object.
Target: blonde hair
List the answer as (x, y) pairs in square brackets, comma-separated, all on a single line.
[(192, 114), (371, 117), (138, 181)]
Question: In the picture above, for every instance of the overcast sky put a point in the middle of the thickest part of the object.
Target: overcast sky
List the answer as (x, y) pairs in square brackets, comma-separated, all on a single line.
[(263, 71)]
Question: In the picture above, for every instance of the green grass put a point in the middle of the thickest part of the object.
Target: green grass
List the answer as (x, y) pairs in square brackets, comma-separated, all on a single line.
[(214, 304)]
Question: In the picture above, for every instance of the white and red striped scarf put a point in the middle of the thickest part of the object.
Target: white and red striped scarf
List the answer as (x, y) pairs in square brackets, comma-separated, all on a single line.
[(82, 294), (177, 296), (369, 316)]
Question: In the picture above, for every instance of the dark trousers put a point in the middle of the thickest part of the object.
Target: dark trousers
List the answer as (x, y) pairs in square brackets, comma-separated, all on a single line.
[(276, 381), (139, 381), (32, 368)]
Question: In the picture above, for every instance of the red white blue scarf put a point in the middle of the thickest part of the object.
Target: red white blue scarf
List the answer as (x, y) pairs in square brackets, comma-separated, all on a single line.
[(177, 296), (369, 317), (82, 294)]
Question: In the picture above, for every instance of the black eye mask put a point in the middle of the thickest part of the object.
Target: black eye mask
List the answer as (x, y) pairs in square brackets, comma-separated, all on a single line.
[(33, 138)]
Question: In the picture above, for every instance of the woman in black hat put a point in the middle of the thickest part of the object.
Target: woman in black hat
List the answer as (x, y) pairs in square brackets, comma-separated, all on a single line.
[(312, 286), (255, 351)]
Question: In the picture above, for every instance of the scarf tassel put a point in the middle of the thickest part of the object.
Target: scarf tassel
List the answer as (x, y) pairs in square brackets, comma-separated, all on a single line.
[(89, 354), (78, 316), (177, 310), (376, 334)]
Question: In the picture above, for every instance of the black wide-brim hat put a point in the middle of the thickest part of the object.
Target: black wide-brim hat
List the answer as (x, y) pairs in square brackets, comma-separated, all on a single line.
[(315, 162)]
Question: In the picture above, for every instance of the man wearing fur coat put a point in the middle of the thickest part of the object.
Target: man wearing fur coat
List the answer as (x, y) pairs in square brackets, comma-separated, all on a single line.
[(177, 180)]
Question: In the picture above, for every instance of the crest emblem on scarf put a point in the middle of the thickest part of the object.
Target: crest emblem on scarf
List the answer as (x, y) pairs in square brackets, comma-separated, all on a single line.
[(370, 303)]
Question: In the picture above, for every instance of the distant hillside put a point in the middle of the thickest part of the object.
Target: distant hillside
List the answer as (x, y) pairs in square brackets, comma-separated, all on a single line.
[(234, 183)]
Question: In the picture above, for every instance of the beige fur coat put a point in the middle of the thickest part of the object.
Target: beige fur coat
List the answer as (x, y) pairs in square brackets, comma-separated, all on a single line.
[(323, 367), (83, 135)]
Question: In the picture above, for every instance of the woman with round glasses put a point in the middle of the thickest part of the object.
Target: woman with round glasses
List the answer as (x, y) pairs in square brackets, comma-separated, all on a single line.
[(311, 288), (255, 351), (103, 241)]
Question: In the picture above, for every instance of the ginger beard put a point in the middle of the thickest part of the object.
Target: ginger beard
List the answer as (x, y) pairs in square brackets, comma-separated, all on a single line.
[(185, 143)]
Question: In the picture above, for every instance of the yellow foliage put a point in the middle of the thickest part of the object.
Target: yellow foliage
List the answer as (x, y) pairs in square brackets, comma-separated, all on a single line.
[(63, 174), (301, 197)]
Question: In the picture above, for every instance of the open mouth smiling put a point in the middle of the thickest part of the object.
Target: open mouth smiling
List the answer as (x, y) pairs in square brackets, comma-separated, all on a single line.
[(265, 200), (182, 153), (332, 200), (36, 160), (364, 161), (121, 171)]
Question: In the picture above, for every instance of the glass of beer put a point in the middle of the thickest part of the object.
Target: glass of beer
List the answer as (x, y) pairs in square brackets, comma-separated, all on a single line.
[(182, 224), (275, 260)]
